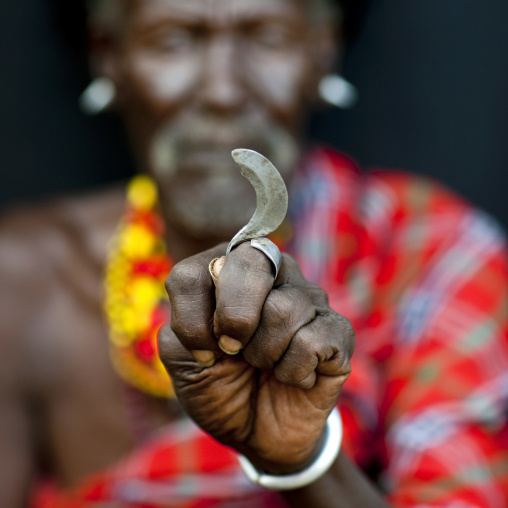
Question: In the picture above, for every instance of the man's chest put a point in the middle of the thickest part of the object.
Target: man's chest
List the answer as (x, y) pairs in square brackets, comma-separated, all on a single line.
[(82, 418)]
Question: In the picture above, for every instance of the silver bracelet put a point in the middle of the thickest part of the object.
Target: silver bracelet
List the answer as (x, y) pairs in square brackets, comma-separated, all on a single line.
[(318, 468)]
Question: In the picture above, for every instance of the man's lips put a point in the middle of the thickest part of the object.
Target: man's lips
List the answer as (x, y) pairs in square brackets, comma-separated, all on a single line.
[(206, 156), (206, 162)]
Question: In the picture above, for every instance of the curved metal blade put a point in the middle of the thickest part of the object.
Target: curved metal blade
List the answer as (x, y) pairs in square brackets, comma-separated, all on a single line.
[(271, 195)]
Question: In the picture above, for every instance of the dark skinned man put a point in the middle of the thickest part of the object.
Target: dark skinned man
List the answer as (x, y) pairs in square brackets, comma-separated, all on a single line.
[(257, 362)]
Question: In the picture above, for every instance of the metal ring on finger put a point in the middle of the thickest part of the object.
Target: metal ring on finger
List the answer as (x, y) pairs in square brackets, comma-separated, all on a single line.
[(268, 248)]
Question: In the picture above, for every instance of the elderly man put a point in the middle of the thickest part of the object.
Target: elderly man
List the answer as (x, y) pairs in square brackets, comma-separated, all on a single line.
[(88, 414)]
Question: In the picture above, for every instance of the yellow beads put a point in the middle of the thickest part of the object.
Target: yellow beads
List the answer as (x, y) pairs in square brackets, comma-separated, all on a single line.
[(145, 291), (142, 193), (134, 291), (137, 241)]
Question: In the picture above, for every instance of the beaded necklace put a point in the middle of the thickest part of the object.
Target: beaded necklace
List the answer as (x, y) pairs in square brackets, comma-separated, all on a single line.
[(136, 304)]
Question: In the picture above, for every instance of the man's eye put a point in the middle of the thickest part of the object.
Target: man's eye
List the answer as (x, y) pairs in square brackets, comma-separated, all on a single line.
[(175, 40), (271, 37)]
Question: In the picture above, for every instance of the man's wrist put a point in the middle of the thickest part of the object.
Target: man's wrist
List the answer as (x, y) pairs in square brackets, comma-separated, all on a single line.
[(327, 456)]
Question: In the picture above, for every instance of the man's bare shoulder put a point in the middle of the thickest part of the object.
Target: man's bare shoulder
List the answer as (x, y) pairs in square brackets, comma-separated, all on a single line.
[(35, 237), (53, 251)]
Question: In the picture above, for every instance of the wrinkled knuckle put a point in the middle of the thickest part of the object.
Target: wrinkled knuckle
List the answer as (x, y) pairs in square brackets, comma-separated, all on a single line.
[(343, 326), (349, 331), (278, 308), (176, 274), (322, 297), (318, 295), (289, 310), (303, 343), (185, 275)]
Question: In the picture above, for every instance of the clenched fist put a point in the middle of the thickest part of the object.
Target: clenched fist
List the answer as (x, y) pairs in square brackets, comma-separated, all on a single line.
[(258, 363)]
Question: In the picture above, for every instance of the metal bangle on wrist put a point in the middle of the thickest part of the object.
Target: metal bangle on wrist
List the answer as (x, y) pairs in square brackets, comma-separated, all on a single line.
[(318, 468)]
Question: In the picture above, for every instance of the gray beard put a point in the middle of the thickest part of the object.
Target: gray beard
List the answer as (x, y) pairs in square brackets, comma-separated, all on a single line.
[(214, 200)]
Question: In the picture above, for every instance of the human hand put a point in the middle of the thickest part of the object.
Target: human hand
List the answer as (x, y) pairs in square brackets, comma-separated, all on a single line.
[(270, 401)]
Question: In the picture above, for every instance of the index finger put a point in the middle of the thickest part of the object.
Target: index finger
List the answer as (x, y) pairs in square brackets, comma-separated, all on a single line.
[(244, 283), (192, 296)]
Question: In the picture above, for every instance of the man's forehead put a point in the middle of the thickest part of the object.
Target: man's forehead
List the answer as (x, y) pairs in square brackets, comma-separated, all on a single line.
[(217, 9), (109, 13)]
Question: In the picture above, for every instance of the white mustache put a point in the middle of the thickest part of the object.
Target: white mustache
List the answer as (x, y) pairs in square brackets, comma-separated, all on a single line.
[(173, 142)]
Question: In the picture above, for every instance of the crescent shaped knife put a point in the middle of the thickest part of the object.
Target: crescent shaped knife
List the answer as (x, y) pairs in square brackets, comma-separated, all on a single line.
[(271, 195)]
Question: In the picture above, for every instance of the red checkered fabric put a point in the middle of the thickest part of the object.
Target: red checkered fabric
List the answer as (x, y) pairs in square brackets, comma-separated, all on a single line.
[(424, 279)]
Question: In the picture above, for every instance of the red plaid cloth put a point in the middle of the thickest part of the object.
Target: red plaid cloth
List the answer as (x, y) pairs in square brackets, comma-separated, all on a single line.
[(423, 278), (180, 466)]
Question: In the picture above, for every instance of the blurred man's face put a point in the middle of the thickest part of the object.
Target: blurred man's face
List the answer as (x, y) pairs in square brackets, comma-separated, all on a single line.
[(199, 78)]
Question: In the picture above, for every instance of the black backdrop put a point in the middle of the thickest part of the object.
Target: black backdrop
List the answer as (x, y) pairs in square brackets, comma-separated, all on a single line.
[(432, 76)]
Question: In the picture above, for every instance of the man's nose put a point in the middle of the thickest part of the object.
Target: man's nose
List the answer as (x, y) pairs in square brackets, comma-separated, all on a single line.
[(222, 87)]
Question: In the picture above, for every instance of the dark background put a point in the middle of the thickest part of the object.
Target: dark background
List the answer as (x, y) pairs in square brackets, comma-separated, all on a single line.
[(432, 76)]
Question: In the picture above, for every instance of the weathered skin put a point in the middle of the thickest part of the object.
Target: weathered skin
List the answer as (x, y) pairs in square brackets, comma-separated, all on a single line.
[(294, 361), (214, 75), (62, 406), (53, 338), (205, 76)]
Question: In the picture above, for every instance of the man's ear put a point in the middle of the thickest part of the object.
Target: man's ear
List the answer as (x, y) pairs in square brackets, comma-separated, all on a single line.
[(103, 55), (326, 52)]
